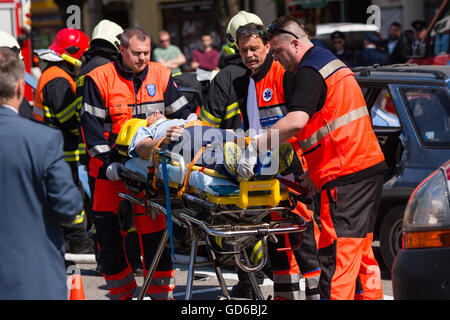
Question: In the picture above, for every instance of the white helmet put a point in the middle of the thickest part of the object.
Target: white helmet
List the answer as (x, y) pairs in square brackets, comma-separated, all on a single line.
[(240, 19), (108, 31), (8, 41)]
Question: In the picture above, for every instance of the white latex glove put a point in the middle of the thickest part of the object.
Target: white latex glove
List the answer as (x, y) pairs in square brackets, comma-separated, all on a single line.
[(247, 162), (192, 117), (112, 172)]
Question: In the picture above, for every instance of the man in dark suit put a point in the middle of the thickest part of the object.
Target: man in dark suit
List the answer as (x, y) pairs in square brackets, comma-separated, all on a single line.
[(371, 55), (340, 50), (391, 44), (37, 196)]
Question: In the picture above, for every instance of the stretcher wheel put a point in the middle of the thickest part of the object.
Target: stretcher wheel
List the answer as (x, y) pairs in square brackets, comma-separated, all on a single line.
[(125, 215)]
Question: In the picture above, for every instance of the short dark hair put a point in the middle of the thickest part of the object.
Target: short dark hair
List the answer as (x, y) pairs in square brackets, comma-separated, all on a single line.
[(396, 24), (337, 35), (310, 29), (11, 71), (128, 33), (249, 30)]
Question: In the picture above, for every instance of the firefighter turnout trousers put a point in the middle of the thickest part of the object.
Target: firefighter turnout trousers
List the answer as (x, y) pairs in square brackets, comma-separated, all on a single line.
[(115, 266), (287, 265)]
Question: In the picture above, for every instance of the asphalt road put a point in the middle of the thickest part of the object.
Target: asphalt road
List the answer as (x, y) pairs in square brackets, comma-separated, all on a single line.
[(205, 282)]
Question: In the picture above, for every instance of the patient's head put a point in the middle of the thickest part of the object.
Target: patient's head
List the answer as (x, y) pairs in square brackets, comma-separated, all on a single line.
[(155, 116)]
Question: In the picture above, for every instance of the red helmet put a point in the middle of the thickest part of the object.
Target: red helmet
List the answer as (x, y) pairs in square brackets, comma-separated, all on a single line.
[(70, 42)]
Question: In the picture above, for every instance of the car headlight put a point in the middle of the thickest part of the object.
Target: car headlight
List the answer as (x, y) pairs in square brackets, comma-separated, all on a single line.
[(426, 222)]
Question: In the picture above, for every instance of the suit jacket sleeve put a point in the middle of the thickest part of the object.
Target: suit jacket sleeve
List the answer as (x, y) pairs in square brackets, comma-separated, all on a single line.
[(64, 198)]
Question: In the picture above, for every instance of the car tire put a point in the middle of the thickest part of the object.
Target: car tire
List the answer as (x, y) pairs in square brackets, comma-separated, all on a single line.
[(391, 235)]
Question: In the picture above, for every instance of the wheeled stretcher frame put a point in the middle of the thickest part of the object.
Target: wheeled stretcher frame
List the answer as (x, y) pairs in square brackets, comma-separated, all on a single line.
[(239, 221)]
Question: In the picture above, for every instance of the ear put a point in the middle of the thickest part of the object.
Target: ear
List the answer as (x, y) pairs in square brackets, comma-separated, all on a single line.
[(20, 89), (267, 47)]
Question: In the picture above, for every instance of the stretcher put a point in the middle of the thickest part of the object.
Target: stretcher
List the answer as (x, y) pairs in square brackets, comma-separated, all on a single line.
[(238, 218)]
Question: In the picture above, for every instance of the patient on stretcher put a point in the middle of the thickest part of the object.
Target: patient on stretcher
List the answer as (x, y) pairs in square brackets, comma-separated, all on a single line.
[(187, 137)]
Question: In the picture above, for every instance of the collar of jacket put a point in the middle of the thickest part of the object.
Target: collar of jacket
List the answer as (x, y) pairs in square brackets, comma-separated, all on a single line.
[(264, 69), (136, 78), (127, 73), (307, 53), (61, 65), (98, 49)]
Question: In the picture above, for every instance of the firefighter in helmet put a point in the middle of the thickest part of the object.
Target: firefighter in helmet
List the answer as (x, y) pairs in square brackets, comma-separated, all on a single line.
[(55, 105)]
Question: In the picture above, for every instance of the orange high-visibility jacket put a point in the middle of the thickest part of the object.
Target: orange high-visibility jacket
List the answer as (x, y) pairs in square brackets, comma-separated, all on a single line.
[(338, 140), (47, 76), (270, 95), (121, 100), (102, 119)]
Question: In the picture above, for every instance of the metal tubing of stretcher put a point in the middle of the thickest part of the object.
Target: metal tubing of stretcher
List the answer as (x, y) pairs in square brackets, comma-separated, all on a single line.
[(219, 275), (130, 198), (191, 267), (215, 233), (155, 261)]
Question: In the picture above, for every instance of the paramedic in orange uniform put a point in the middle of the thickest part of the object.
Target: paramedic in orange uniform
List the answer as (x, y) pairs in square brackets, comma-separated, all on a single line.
[(129, 87), (328, 115)]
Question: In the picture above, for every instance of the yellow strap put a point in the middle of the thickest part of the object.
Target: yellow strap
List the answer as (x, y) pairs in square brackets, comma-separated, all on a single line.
[(188, 174)]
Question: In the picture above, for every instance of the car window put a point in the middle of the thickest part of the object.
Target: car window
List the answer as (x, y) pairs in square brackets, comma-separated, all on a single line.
[(383, 111), (430, 111)]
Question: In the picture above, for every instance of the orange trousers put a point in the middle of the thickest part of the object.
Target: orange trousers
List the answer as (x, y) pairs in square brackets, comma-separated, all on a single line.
[(348, 266)]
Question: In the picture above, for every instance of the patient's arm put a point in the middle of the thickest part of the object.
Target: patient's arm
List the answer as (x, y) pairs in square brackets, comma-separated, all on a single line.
[(145, 147)]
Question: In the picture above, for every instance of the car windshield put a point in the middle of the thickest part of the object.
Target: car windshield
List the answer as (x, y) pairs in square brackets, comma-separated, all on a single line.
[(430, 111)]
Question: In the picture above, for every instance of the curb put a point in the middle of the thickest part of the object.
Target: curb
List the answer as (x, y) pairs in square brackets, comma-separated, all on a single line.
[(90, 258)]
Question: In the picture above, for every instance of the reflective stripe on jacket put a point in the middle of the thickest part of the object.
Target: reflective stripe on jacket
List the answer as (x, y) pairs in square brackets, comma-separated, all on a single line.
[(338, 140), (40, 111), (109, 100), (55, 104)]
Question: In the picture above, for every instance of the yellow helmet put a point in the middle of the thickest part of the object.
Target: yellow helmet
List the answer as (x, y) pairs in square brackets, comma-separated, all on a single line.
[(240, 19), (108, 31), (8, 41)]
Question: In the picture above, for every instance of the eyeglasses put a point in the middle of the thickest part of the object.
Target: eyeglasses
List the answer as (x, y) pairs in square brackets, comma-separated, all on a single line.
[(164, 40), (273, 28)]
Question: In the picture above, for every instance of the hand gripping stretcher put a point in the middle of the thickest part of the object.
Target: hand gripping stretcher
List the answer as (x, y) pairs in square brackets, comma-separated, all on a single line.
[(238, 220)]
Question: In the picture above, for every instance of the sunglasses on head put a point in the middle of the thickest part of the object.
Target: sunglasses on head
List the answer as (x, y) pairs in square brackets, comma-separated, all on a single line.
[(273, 29), (244, 30)]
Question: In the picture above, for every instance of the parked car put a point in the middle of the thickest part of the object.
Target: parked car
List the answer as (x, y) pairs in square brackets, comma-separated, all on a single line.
[(421, 268), (354, 33), (410, 108)]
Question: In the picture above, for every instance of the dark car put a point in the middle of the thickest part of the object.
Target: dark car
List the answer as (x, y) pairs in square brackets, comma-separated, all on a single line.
[(410, 109), (421, 268)]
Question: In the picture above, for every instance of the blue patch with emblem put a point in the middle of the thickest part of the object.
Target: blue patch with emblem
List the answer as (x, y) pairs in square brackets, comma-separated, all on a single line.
[(267, 94), (151, 89)]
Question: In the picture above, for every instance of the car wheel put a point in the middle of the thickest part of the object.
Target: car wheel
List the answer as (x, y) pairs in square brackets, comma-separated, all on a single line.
[(391, 235)]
